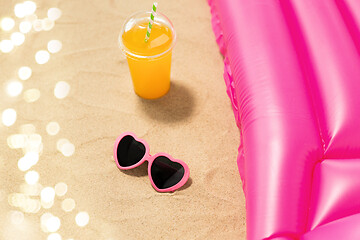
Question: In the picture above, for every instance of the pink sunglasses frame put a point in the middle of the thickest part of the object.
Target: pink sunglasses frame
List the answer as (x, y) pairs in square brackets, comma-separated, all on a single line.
[(150, 159)]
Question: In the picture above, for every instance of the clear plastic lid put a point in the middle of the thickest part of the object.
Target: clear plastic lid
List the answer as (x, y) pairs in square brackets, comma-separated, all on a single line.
[(141, 17)]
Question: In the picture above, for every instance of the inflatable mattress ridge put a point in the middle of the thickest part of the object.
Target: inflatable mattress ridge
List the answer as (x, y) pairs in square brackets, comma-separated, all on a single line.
[(292, 72)]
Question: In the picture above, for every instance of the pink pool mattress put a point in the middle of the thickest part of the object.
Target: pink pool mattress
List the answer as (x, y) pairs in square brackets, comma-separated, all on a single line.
[(292, 71)]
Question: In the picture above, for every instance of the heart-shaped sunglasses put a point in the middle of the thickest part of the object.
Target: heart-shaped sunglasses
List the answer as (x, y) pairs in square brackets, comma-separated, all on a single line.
[(165, 172)]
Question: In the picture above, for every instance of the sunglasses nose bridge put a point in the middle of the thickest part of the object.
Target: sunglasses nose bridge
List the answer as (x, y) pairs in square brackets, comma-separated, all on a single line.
[(149, 158)]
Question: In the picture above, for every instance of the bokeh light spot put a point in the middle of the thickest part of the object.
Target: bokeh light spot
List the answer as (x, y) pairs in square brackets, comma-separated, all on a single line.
[(34, 144), (68, 204), (52, 128), (61, 89), (54, 236), (60, 189), (30, 7), (6, 46), (33, 157), (24, 202), (14, 88), (16, 141), (8, 117), (16, 199), (24, 73), (53, 224), (16, 217), (82, 219), (32, 177), (17, 38), (25, 26), (47, 24), (47, 205), (54, 46), (31, 95), (54, 14), (7, 24), (29, 160), (20, 10), (37, 25), (23, 164), (47, 194), (67, 149), (43, 219), (31, 206), (31, 190), (60, 143), (42, 57)]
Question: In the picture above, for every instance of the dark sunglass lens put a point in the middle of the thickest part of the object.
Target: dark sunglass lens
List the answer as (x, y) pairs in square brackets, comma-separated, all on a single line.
[(129, 151), (166, 173)]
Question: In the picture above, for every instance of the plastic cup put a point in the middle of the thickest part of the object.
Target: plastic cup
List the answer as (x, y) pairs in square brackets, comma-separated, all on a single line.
[(150, 72)]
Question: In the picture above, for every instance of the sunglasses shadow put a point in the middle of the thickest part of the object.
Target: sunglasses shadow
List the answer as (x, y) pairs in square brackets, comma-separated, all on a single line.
[(176, 105), (142, 171), (139, 171), (186, 185)]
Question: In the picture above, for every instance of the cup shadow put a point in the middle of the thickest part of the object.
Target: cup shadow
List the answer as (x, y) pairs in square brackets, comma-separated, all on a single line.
[(177, 105)]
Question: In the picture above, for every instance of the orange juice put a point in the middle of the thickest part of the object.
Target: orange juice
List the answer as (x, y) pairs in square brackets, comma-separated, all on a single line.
[(149, 62)]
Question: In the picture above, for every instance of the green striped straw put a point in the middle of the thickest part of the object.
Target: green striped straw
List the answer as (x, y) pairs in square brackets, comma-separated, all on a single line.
[(151, 21)]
